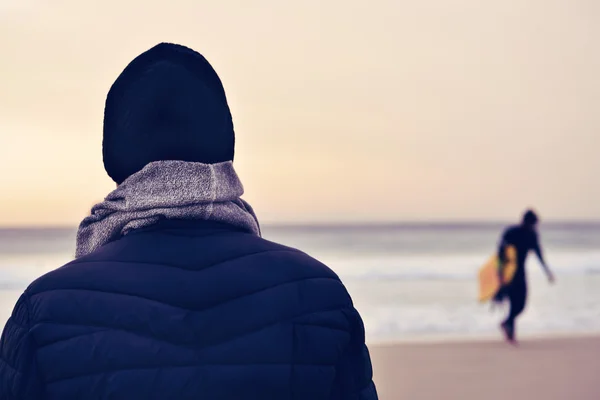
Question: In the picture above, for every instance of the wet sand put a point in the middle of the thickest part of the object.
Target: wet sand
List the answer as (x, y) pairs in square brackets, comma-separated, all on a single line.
[(545, 369)]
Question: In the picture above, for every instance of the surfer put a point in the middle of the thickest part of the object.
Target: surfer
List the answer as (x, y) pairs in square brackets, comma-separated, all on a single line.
[(524, 238)]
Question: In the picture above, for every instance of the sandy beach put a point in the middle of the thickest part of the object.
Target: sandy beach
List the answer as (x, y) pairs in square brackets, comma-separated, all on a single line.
[(545, 369)]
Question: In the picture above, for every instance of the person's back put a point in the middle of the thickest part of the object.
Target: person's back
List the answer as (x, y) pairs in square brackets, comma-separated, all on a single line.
[(174, 295), (524, 240)]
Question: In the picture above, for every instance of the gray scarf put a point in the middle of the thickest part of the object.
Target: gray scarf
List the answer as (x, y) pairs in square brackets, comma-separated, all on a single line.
[(172, 190)]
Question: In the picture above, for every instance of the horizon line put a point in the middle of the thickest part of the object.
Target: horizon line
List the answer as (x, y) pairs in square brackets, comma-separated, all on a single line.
[(360, 224)]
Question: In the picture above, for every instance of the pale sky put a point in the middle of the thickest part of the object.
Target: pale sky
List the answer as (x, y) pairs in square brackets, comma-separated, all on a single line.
[(382, 110)]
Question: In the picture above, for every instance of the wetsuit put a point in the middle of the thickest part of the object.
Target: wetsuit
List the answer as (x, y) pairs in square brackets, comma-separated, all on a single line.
[(523, 239)]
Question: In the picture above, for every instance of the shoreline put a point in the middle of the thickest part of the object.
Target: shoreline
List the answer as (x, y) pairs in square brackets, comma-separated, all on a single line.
[(477, 338)]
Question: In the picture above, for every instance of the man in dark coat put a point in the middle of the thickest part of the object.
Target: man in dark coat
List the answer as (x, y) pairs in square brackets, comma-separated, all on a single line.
[(173, 293)]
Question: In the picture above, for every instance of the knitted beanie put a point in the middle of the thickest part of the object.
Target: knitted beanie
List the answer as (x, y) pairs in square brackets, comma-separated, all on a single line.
[(168, 104)]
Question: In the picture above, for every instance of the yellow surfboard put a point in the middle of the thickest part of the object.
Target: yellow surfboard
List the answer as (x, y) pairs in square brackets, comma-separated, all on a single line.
[(489, 284)]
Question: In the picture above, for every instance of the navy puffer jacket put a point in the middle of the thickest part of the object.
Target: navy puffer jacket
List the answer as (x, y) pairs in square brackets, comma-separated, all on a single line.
[(187, 310)]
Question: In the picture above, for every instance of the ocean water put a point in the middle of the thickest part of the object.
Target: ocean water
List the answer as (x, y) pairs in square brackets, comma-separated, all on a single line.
[(409, 281)]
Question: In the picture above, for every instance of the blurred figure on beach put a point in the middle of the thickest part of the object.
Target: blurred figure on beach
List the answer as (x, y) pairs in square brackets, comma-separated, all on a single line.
[(173, 293), (524, 238)]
